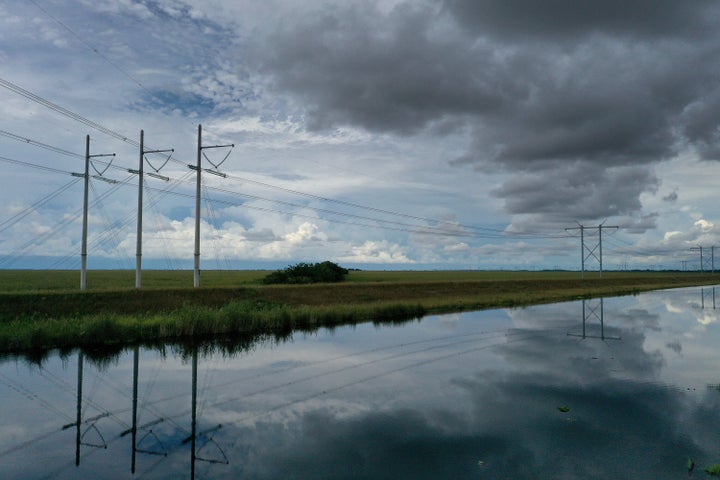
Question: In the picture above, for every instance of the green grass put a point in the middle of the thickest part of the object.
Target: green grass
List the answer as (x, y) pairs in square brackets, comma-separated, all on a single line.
[(69, 280), (99, 280), (42, 310)]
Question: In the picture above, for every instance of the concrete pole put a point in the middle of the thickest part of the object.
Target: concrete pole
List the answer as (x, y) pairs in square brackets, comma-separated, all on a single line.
[(83, 249), (138, 248), (196, 274), (600, 229), (582, 252)]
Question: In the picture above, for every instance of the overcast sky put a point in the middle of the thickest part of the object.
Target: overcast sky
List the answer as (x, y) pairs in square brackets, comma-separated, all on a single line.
[(377, 134)]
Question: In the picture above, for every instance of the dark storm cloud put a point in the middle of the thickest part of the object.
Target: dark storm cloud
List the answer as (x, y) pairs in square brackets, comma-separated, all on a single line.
[(594, 186), (577, 100), (563, 18), (391, 73)]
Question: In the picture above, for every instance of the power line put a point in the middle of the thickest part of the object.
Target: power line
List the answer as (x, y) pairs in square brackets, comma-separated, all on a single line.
[(91, 47), (64, 111), (34, 165), (27, 211), (40, 144), (499, 233)]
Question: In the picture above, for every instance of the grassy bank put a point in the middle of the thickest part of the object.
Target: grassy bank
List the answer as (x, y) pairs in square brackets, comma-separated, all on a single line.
[(38, 315)]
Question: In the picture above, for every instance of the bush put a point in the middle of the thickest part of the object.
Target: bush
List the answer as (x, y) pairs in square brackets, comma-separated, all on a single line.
[(325, 272)]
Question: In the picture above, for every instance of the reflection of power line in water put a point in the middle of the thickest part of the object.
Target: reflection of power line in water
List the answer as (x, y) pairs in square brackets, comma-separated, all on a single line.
[(386, 373), (493, 334), (206, 445), (345, 368), (306, 365), (503, 334), (517, 336)]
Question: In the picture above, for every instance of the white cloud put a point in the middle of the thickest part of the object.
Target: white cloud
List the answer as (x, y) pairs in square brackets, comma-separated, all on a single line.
[(426, 122)]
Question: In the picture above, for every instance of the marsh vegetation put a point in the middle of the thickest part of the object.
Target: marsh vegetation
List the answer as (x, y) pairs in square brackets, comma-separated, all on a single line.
[(43, 310)]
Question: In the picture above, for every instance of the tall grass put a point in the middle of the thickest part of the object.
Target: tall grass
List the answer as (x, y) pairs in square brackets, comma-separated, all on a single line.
[(233, 319)]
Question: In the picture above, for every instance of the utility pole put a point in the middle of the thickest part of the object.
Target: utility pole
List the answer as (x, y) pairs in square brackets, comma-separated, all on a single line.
[(589, 251), (198, 169), (86, 178), (140, 173)]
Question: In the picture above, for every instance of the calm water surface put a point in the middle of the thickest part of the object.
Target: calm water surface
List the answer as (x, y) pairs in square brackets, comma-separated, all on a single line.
[(624, 388)]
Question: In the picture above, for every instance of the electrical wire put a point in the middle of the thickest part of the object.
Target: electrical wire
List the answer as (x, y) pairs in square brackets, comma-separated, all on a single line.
[(501, 233), (30, 141), (32, 208), (95, 50), (65, 112)]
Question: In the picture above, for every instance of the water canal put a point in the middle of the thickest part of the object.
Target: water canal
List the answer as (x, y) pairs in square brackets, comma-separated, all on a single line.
[(621, 388)]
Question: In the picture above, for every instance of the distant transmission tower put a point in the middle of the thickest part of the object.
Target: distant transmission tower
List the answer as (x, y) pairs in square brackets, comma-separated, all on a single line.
[(705, 262), (592, 250)]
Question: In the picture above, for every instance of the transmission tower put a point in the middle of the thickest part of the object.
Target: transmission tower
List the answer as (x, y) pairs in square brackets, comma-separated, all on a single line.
[(592, 250), (704, 261)]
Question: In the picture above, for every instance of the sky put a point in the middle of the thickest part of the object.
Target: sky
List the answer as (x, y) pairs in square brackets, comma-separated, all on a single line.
[(378, 134)]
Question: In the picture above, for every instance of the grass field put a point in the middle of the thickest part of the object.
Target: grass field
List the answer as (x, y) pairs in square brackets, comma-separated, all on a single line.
[(40, 310), (99, 280)]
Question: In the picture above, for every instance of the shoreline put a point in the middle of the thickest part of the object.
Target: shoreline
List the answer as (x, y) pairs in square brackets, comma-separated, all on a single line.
[(40, 321)]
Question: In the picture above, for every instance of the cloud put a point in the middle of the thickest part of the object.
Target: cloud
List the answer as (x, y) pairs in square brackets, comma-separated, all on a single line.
[(564, 97), (571, 111), (563, 19), (356, 66)]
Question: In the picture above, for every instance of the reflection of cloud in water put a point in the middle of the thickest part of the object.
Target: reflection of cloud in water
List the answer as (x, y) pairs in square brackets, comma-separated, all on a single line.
[(616, 428), (613, 430), (707, 318), (450, 320), (636, 318), (675, 346), (578, 359), (697, 304), (557, 316), (671, 308), (421, 402)]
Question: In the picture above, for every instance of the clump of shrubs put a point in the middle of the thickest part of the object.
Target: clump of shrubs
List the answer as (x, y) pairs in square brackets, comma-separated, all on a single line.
[(324, 272)]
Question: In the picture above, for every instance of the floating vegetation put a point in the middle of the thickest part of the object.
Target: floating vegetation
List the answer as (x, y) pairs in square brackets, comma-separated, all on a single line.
[(713, 470), (564, 409)]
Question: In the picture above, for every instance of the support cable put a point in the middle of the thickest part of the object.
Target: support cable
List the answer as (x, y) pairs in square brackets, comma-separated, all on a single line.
[(214, 220), (32, 208), (158, 227)]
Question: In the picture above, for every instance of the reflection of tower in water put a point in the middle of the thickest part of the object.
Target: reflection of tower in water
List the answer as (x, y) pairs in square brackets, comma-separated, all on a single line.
[(707, 298), (146, 428), (593, 309), (204, 448), (204, 436), (83, 437)]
